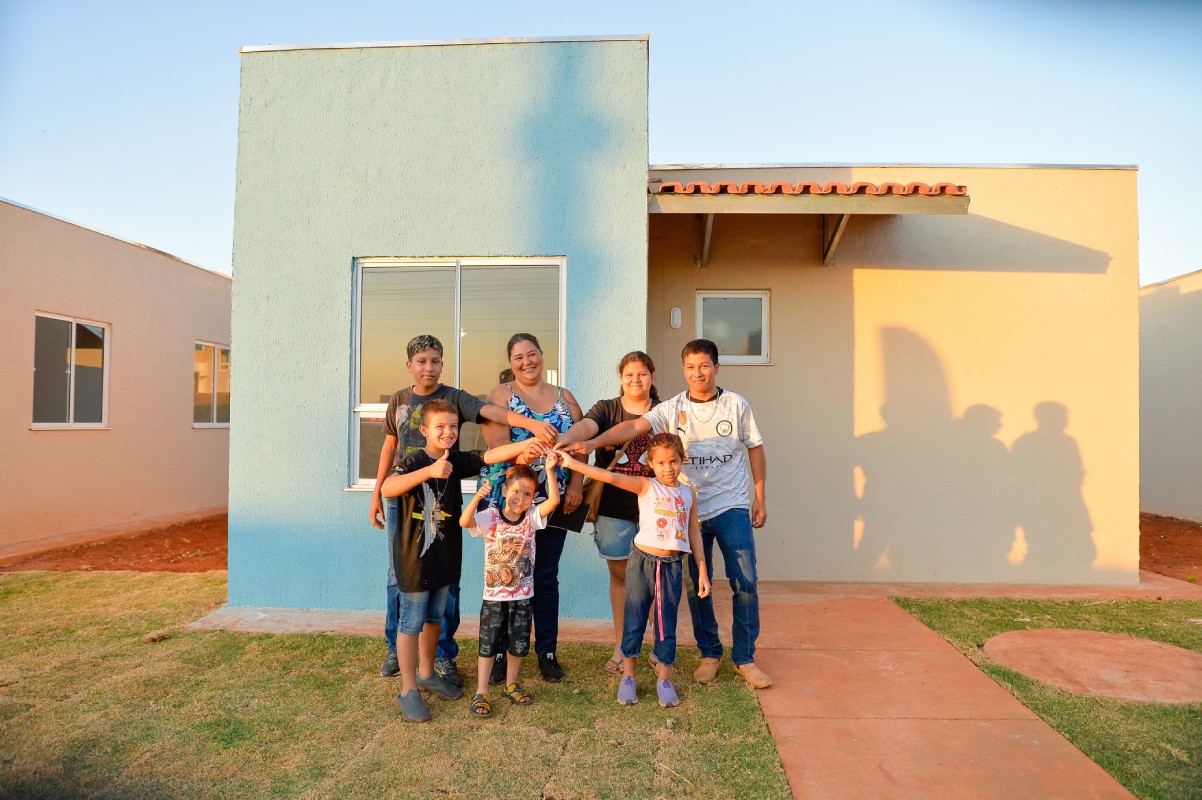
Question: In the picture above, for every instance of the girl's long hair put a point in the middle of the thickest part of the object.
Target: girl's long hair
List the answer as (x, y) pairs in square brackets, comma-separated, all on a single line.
[(645, 360)]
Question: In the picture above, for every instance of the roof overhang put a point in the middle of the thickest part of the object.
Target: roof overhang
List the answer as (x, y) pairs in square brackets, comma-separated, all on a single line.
[(805, 197), (834, 202)]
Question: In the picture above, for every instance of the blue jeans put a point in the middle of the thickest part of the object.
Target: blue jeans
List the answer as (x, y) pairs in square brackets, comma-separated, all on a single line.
[(548, 547), (416, 610), (640, 599), (447, 646), (732, 530), (614, 537)]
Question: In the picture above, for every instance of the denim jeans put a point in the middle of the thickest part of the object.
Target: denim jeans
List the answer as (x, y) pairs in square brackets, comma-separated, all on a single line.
[(416, 610), (614, 537), (732, 530), (548, 547), (447, 646), (640, 599)]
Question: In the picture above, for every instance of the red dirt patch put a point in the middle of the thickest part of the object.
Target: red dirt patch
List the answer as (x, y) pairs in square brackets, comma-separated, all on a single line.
[(1170, 546), (194, 546), (1102, 664)]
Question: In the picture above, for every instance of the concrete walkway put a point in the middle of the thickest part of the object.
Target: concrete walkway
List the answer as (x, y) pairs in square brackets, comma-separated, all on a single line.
[(867, 702)]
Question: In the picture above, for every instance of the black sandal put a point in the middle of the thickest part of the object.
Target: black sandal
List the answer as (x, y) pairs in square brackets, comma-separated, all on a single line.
[(517, 695), (481, 706)]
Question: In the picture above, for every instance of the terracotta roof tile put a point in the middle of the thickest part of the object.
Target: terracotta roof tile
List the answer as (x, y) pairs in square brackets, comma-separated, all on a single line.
[(806, 187)]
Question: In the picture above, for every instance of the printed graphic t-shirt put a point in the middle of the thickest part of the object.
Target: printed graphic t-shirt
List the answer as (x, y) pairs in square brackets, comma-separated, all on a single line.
[(619, 503), (404, 416), (716, 434), (508, 553), (664, 517), (429, 544)]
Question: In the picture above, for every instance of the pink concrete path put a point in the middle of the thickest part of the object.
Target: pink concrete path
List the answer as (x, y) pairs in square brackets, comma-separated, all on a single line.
[(867, 701)]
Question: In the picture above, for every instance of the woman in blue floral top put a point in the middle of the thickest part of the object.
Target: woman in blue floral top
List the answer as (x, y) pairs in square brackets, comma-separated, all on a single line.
[(530, 395)]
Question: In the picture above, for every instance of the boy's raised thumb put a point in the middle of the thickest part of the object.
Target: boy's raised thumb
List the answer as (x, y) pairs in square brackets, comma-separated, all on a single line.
[(445, 455)]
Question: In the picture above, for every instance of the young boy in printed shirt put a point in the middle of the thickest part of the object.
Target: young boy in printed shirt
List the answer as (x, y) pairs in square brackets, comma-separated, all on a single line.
[(427, 551), (402, 438)]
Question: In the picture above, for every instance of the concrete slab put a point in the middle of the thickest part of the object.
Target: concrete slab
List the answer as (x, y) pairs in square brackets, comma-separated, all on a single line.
[(876, 684), (1102, 664), (922, 759), (823, 623)]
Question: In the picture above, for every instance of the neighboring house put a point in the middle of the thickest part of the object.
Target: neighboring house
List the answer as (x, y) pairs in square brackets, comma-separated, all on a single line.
[(1170, 388), (944, 395), (116, 399)]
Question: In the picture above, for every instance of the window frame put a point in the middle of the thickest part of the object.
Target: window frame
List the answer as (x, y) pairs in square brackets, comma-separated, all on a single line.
[(360, 411), (764, 358), (217, 347), (104, 391)]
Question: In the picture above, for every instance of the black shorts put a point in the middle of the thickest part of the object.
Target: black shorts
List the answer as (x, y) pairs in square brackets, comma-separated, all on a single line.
[(505, 619)]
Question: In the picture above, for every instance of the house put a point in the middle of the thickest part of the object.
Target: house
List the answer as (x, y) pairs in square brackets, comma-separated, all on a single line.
[(1170, 383), (942, 358), (116, 396)]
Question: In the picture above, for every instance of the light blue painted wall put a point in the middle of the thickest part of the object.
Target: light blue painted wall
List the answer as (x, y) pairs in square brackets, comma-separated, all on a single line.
[(533, 149)]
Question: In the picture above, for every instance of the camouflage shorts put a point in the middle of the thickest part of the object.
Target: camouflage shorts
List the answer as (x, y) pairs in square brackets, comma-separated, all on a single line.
[(501, 621)]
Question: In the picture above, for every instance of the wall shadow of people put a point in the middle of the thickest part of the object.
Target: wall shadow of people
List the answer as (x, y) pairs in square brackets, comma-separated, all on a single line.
[(985, 497), (935, 499), (906, 475), (1048, 476)]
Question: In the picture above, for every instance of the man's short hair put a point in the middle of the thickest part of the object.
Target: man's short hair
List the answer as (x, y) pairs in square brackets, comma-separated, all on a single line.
[(701, 346), (423, 342), (437, 407)]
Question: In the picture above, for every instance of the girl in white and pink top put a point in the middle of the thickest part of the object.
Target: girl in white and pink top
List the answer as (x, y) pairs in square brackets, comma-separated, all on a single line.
[(668, 531)]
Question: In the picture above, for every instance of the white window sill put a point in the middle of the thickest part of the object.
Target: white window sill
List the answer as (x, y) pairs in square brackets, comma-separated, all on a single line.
[(69, 428), (204, 425)]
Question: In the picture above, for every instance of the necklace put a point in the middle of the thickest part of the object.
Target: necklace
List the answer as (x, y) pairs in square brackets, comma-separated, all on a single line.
[(712, 403), (647, 406)]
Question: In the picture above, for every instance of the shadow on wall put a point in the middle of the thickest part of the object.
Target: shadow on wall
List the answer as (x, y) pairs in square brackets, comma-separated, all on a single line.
[(973, 243), (941, 498)]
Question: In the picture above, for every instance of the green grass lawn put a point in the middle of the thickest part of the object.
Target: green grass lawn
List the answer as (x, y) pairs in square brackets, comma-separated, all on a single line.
[(102, 694), (1154, 750)]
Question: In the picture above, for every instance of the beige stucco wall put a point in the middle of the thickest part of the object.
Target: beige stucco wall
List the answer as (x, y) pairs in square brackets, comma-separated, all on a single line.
[(150, 462), (1170, 384), (899, 412)]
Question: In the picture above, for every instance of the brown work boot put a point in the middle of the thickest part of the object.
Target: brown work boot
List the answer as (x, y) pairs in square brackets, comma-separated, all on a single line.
[(753, 675), (707, 670)]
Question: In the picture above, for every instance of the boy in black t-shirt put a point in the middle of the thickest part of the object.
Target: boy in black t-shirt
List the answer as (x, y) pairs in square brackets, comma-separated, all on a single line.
[(427, 552), (402, 438)]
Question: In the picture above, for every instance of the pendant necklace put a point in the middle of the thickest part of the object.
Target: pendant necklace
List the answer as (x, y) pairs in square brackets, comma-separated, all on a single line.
[(713, 404)]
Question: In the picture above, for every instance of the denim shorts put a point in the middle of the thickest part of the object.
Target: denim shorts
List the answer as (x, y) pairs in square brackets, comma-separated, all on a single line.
[(421, 608), (614, 537)]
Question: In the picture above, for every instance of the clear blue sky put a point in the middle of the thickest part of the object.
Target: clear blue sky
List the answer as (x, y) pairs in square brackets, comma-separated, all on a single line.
[(122, 116)]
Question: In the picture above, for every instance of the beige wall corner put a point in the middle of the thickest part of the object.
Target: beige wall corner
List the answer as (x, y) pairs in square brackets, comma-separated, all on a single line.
[(955, 399), (1170, 385), (148, 461)]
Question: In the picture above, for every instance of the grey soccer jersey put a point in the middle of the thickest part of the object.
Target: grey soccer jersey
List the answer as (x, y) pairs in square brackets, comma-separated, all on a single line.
[(716, 435)]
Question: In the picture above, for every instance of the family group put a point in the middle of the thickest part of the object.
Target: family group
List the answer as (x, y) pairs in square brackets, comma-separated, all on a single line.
[(685, 473)]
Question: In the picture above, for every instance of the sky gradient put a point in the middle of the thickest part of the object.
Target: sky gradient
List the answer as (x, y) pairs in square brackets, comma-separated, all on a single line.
[(122, 116)]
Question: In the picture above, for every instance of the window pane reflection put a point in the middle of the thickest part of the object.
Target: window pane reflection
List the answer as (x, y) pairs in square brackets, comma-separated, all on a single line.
[(735, 324), (202, 384), (371, 439), (223, 385), (89, 373), (499, 301), (397, 304), (51, 369)]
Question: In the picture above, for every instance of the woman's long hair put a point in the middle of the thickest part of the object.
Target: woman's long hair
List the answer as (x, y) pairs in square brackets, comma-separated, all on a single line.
[(645, 360)]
